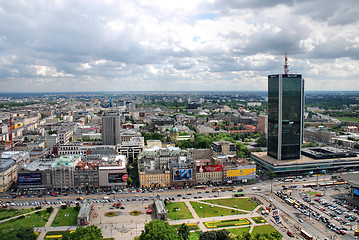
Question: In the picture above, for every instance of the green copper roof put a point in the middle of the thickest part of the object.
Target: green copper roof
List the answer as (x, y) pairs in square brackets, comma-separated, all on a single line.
[(67, 160), (174, 129)]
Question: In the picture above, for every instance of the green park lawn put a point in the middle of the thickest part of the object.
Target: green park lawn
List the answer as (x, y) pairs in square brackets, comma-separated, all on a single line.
[(238, 231), (65, 217), (209, 211), (33, 220), (349, 119), (12, 212), (182, 211), (194, 235), (241, 203), (263, 229)]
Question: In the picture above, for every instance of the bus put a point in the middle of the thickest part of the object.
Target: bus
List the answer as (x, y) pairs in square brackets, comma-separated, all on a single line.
[(200, 187), (306, 235)]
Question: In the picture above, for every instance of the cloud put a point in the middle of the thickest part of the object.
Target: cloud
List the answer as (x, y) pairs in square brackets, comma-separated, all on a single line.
[(175, 45)]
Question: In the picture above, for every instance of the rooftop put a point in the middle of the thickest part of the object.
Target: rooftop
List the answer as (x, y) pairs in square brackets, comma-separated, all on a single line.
[(352, 179), (303, 160), (85, 209), (160, 206), (67, 160), (6, 163), (38, 165)]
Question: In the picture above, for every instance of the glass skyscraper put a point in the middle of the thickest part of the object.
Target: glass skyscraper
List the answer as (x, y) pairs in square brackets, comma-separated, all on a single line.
[(285, 115)]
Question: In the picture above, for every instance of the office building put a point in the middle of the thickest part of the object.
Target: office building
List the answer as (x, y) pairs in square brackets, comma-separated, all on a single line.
[(63, 171), (312, 161), (223, 147), (111, 128), (285, 115)]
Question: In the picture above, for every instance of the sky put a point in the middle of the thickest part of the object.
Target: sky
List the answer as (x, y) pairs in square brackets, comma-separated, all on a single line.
[(170, 45)]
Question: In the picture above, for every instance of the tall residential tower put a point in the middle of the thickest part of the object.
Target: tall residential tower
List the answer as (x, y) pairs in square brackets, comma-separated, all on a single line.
[(285, 115)]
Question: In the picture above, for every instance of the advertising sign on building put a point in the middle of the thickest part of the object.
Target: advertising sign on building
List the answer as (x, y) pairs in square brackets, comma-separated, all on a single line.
[(117, 177), (182, 174), (210, 168), (29, 179), (240, 172)]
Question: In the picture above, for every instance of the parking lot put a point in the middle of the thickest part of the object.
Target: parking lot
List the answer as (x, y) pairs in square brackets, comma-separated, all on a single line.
[(327, 206)]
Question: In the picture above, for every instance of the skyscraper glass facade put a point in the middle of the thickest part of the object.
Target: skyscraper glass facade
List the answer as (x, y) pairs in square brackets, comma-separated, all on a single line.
[(285, 115)]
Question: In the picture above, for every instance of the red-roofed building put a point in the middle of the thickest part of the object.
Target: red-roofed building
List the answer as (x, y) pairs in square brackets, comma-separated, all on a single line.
[(86, 175)]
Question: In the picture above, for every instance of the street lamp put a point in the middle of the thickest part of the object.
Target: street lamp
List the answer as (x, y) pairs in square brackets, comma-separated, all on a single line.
[(317, 181), (202, 211), (175, 210)]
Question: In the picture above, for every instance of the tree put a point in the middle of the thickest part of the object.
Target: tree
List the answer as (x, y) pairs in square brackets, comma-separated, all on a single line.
[(210, 235), (183, 231), (158, 230), (91, 232), (222, 234), (261, 141), (271, 175), (129, 180), (18, 234)]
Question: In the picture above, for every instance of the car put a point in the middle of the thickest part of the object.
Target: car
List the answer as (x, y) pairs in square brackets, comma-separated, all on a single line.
[(179, 195), (319, 195), (300, 220)]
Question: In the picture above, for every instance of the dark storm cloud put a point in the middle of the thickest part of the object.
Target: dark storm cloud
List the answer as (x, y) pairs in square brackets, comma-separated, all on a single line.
[(109, 44)]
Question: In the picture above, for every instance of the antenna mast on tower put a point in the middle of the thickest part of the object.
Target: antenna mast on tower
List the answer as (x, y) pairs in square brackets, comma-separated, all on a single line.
[(285, 64), (11, 140)]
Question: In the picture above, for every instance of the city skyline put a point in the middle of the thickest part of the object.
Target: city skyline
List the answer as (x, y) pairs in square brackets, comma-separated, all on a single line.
[(78, 46)]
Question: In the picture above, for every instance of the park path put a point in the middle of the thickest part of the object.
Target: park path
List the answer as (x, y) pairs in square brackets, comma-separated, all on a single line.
[(196, 219), (47, 226), (195, 215)]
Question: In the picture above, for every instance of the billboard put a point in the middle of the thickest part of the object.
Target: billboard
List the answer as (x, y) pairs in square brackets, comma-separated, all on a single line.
[(240, 172), (29, 179), (182, 174), (210, 168), (117, 177), (356, 191)]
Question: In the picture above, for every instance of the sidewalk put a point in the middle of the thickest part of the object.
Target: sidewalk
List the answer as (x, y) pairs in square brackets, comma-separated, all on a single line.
[(200, 221), (46, 228)]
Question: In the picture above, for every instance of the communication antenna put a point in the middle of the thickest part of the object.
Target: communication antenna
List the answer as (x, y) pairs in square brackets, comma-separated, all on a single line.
[(285, 64), (11, 140)]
